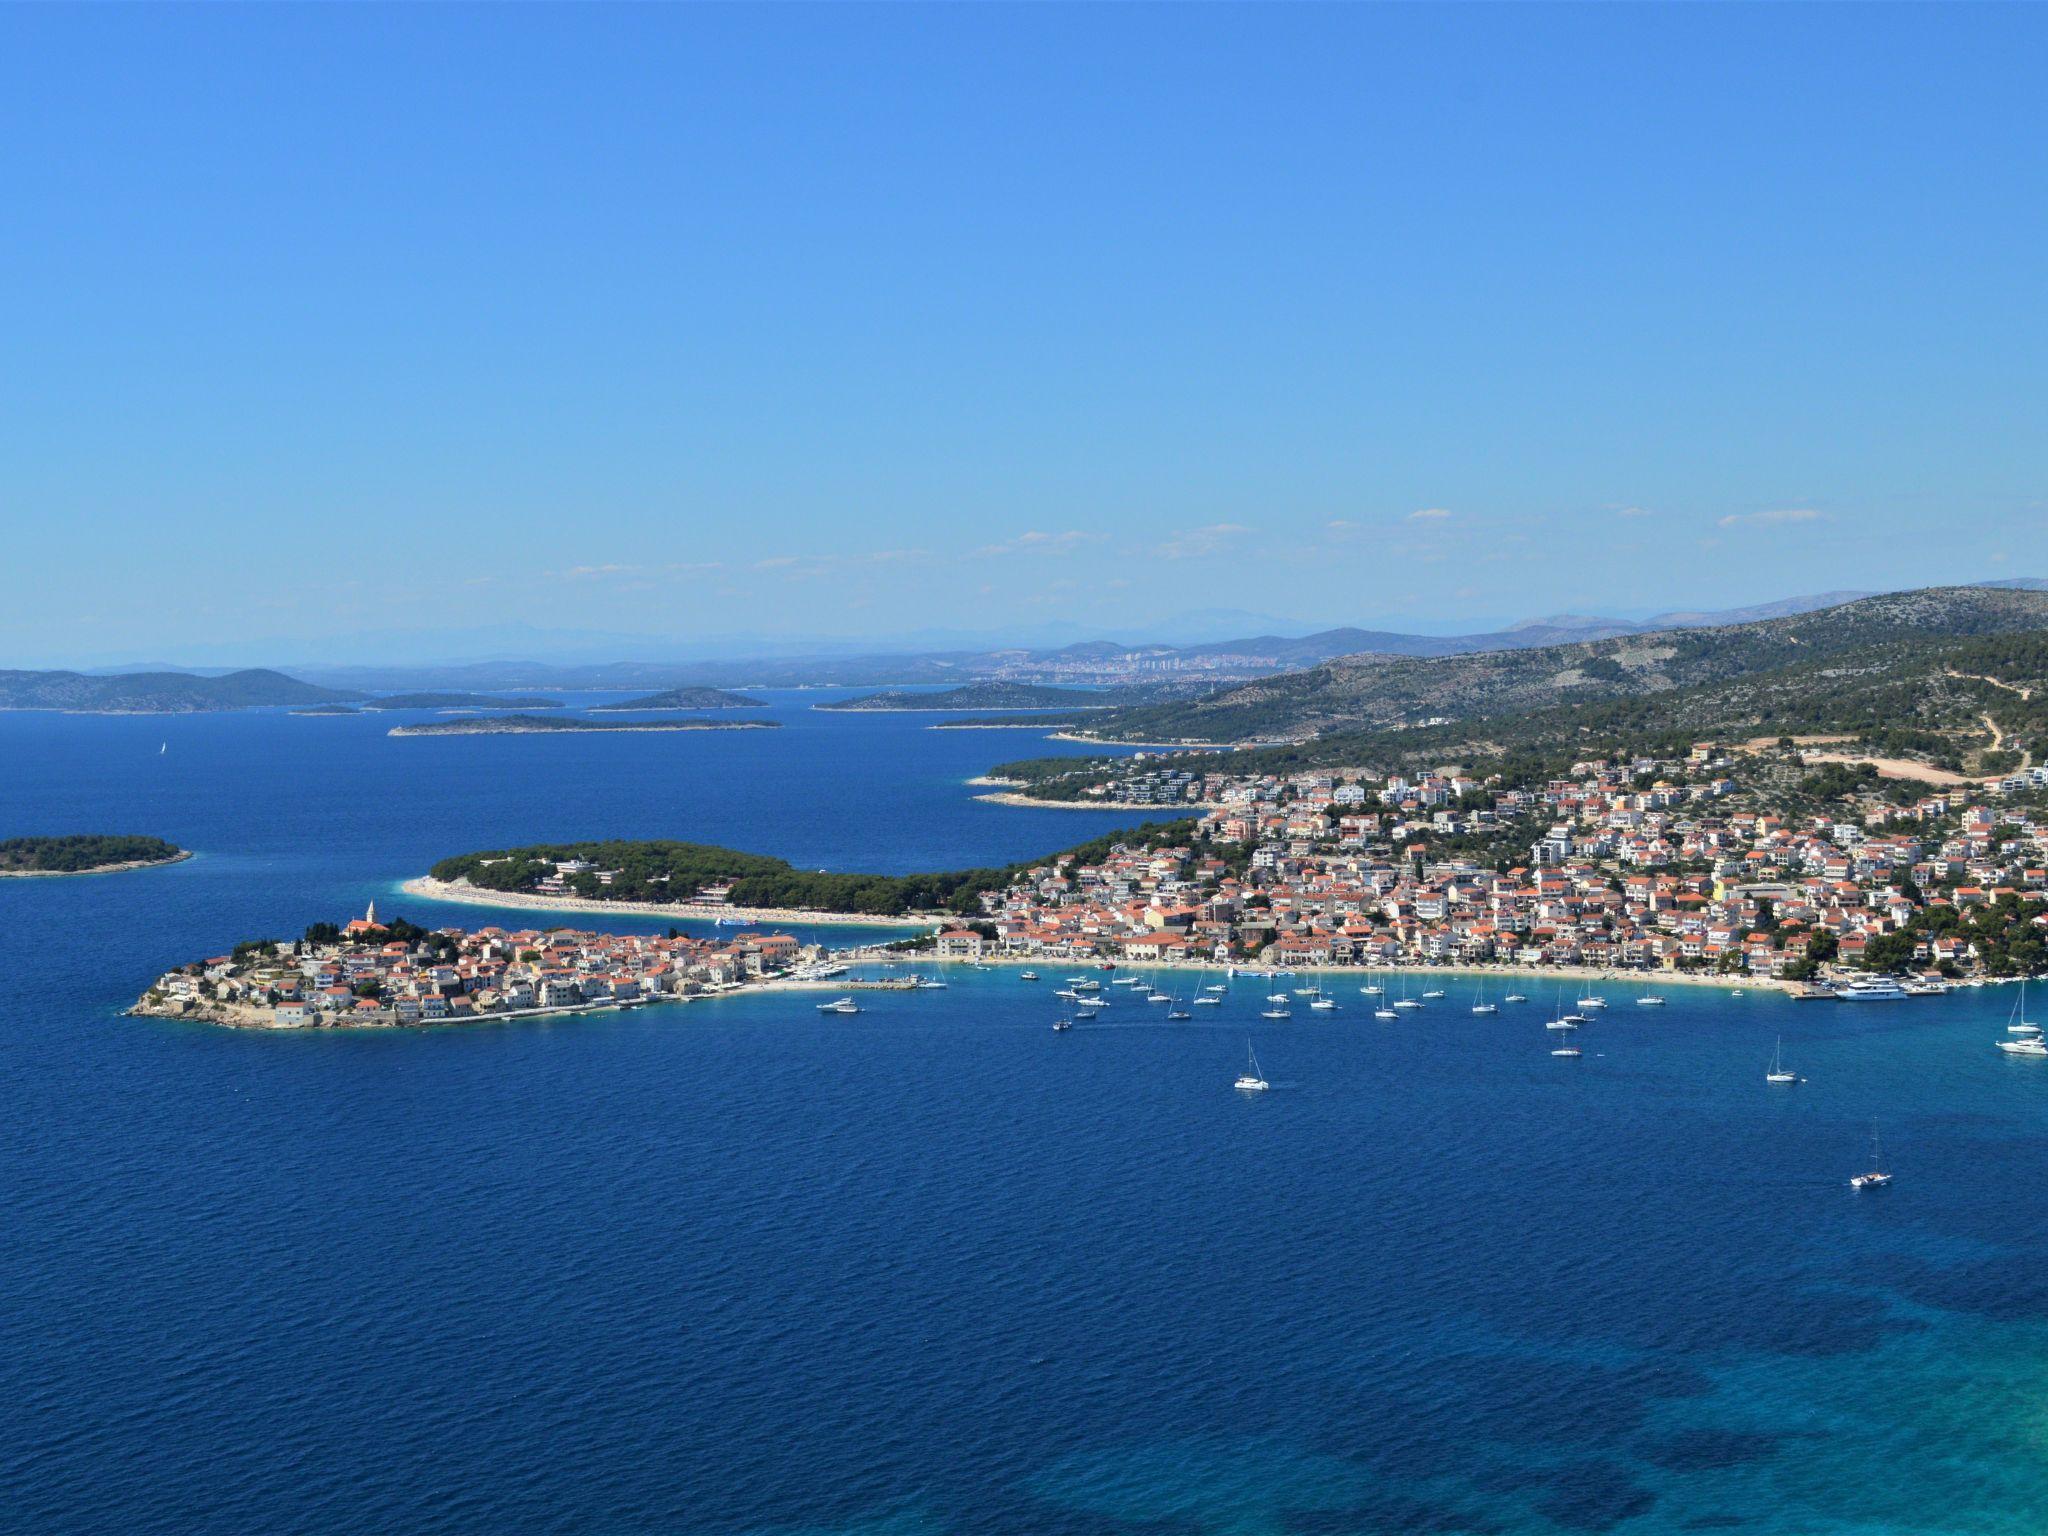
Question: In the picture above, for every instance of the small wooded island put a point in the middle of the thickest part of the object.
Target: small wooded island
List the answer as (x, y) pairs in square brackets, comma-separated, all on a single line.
[(85, 854), (510, 725), (686, 698), (979, 696)]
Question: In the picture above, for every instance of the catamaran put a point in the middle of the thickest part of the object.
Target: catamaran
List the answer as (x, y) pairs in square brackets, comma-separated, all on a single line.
[(1780, 1073), (1876, 1177), (1252, 1081)]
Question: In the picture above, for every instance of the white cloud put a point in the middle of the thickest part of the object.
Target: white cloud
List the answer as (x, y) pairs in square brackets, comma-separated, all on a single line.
[(1775, 516), (1038, 542), (1633, 512), (1193, 543), (1429, 515)]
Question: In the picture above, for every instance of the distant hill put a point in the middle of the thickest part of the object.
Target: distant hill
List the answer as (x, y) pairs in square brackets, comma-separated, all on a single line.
[(458, 701), (159, 693), (981, 696), (687, 698), (1371, 692)]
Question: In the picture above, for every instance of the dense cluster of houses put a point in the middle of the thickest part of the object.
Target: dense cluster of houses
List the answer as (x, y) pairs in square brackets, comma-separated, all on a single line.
[(1637, 864), (368, 977)]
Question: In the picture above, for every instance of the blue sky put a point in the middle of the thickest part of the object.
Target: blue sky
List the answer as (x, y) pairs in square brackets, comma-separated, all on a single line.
[(793, 320)]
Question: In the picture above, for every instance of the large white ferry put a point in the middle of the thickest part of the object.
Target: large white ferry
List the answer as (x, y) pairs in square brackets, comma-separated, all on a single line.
[(1873, 989)]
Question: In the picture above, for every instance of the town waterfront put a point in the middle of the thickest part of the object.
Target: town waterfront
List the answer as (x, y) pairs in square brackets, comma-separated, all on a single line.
[(736, 1268)]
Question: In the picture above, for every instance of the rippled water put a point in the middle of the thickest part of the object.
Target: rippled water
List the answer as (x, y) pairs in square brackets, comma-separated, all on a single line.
[(732, 1267)]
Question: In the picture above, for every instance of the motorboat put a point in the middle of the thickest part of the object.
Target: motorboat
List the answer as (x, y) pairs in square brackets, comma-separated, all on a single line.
[(2026, 1045), (1027, 975), (840, 1005), (1872, 989), (1650, 1000)]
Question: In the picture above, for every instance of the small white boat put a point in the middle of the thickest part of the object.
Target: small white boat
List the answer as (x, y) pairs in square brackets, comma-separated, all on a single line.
[(1371, 991), (1027, 975), (1323, 1005), (930, 984), (1779, 1072), (1178, 1012), (1876, 1177), (1278, 997), (1158, 997), (1485, 1008), (840, 1005), (1406, 1003), (2018, 1023), (1218, 987), (1385, 1013), (1061, 1026), (1252, 1081), (1566, 1022), (1431, 996), (1208, 1002), (1567, 1050), (1514, 997), (2026, 1045), (1592, 1002), (1275, 1013), (1649, 1000)]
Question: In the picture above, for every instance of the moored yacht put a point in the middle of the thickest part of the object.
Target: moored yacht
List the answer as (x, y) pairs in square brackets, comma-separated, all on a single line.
[(1779, 1072), (1252, 1080), (2026, 1045), (1875, 1177), (1872, 989), (1027, 975), (1650, 1000), (840, 1005)]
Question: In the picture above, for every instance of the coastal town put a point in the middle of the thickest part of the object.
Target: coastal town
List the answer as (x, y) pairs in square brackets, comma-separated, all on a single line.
[(1642, 864), (1648, 866), (372, 973)]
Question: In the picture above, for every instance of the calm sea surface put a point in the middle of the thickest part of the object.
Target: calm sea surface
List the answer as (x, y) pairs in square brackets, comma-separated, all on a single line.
[(731, 1268)]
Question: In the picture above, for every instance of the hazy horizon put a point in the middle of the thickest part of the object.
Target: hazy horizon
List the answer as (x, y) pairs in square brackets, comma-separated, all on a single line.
[(689, 324)]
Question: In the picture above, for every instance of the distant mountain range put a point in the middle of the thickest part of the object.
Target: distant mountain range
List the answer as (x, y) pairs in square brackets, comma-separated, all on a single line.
[(1173, 669), (159, 693)]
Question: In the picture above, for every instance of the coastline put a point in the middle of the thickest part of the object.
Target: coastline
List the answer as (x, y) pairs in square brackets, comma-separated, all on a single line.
[(103, 869), (1579, 973), (1026, 803), (427, 888)]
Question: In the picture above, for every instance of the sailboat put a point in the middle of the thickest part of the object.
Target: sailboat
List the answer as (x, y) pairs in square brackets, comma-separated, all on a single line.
[(1252, 1081), (1514, 997), (1779, 1072), (1404, 1002), (1175, 1009), (1479, 1002), (2018, 1023), (1278, 1010), (1876, 1178), (1208, 1000), (1563, 1020)]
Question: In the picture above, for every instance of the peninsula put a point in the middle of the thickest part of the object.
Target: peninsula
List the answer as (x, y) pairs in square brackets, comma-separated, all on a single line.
[(686, 698), (86, 854), (371, 973), (514, 725)]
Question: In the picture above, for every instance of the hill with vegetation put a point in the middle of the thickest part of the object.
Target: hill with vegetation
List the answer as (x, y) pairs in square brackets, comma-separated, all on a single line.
[(159, 693), (1937, 707), (992, 695), (1876, 636), (677, 872), (83, 853), (687, 698)]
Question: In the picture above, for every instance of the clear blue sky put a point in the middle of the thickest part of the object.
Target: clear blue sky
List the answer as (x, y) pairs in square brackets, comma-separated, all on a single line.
[(844, 321)]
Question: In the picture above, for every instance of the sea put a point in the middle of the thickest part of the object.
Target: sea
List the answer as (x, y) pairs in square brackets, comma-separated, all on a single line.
[(737, 1267)]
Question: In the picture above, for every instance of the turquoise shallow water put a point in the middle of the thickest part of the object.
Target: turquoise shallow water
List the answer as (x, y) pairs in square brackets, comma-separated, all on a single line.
[(735, 1268)]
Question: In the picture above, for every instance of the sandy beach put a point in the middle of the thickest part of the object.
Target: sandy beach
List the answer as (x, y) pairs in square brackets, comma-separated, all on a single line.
[(429, 889)]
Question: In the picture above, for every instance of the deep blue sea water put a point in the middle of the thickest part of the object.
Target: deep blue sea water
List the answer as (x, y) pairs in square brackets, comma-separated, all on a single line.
[(729, 1268)]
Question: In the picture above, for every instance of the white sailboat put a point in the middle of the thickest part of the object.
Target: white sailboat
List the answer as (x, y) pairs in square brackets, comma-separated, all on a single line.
[(1479, 1002), (1252, 1081), (1876, 1177), (1779, 1072), (2019, 1024)]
